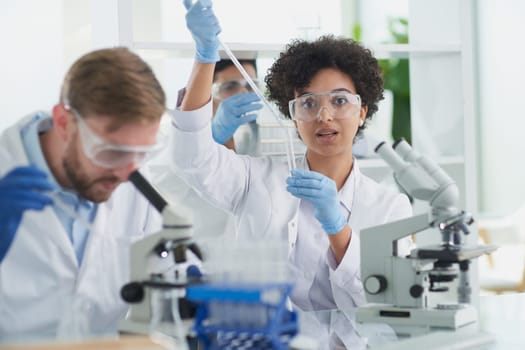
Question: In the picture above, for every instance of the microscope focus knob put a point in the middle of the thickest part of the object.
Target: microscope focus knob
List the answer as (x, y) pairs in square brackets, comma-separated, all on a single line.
[(132, 292), (416, 291), (375, 284)]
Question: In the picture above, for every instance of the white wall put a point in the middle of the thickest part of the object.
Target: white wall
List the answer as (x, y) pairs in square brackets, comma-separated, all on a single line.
[(502, 112), (32, 56), (374, 16), (42, 38)]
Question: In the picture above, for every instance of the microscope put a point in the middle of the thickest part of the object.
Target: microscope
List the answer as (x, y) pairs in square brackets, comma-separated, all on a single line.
[(160, 263), (398, 287)]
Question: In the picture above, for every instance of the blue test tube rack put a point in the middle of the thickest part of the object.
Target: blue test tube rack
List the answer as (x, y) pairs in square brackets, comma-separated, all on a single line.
[(243, 316)]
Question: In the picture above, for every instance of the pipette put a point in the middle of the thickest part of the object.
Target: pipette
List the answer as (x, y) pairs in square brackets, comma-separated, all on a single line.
[(68, 210), (289, 145)]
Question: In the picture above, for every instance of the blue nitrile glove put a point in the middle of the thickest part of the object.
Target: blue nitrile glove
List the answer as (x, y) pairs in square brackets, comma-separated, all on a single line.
[(19, 191), (204, 28), (321, 191), (232, 113)]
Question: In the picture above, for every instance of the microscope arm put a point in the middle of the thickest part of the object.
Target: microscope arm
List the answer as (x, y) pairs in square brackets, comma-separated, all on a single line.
[(388, 234), (150, 266), (379, 242)]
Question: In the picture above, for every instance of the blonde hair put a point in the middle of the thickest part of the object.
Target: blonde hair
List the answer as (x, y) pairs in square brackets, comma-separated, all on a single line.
[(114, 82)]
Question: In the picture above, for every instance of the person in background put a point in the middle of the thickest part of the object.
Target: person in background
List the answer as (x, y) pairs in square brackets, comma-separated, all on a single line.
[(235, 106), (330, 88), (67, 213)]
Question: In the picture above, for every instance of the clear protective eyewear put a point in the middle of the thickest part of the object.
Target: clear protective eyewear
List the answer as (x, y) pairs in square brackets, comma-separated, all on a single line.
[(231, 87), (110, 155), (308, 107)]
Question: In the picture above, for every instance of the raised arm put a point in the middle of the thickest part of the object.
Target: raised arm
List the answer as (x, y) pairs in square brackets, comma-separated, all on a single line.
[(204, 28)]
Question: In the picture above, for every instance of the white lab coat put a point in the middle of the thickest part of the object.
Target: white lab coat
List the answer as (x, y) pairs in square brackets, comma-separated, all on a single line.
[(254, 190), (40, 280), (208, 220)]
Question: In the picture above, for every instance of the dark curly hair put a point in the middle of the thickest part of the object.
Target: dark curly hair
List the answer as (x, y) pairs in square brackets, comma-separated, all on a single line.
[(299, 63)]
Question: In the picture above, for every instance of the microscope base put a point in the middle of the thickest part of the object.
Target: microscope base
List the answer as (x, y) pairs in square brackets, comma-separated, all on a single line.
[(128, 326), (443, 318), (133, 327)]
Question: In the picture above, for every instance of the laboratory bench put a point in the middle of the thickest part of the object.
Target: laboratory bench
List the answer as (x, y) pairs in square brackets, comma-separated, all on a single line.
[(501, 326), (123, 343)]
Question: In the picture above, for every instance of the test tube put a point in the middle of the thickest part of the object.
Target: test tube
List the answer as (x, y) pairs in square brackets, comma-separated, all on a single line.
[(289, 145)]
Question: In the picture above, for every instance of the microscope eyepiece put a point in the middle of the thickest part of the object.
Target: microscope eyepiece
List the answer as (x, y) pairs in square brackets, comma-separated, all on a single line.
[(395, 144), (151, 194), (379, 146)]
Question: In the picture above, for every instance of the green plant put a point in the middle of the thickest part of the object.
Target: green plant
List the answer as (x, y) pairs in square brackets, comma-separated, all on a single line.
[(396, 78)]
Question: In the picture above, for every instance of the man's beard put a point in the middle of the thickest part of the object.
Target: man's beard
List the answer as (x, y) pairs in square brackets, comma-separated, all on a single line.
[(81, 183)]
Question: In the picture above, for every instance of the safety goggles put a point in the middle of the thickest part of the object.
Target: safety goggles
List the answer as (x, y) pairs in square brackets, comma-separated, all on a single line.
[(232, 87), (109, 155), (341, 105)]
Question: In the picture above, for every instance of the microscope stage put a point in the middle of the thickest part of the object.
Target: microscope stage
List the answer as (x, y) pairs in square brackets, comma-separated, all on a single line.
[(452, 255)]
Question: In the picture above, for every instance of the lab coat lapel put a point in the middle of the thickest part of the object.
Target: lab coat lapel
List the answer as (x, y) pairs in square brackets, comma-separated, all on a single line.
[(292, 233), (360, 201), (93, 244), (35, 221), (104, 268), (54, 231), (293, 224)]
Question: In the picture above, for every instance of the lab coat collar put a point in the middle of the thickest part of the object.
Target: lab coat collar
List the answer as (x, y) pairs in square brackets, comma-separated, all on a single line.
[(13, 147), (41, 122), (347, 192), (301, 163)]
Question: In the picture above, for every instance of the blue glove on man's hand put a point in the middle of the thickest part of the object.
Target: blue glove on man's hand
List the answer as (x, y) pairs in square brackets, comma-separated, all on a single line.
[(19, 191), (321, 191), (232, 113), (204, 28)]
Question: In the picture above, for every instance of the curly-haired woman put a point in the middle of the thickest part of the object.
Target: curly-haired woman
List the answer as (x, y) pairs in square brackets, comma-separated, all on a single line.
[(330, 88)]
